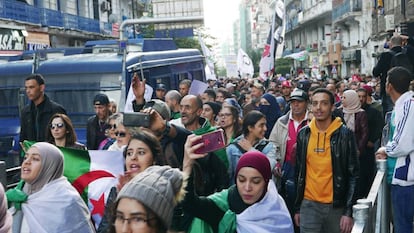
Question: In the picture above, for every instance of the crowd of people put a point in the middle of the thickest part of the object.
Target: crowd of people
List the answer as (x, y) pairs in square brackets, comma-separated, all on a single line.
[(298, 154)]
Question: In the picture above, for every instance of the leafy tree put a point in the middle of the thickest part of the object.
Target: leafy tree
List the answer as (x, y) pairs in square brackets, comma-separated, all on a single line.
[(283, 65)]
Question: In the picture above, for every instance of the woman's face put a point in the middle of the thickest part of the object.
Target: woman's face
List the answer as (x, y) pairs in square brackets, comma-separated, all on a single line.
[(112, 129), (138, 157), (259, 129), (32, 163), (250, 184), (226, 118), (122, 135), (58, 128), (207, 113), (131, 217)]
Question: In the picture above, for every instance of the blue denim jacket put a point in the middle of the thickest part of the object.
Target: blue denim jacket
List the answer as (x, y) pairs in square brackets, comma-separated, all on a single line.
[(234, 154)]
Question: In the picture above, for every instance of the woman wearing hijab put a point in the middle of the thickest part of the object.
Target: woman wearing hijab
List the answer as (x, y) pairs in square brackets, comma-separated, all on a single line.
[(45, 201), (355, 118), (251, 205), (5, 217), (270, 108)]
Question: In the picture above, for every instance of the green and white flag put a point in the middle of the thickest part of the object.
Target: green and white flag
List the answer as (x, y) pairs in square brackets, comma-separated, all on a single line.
[(93, 173)]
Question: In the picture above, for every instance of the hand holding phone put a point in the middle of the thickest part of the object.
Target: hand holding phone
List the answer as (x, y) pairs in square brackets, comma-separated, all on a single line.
[(212, 141), (136, 119)]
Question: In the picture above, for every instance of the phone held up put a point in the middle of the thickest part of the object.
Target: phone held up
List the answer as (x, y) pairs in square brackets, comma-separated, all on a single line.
[(212, 141), (136, 119)]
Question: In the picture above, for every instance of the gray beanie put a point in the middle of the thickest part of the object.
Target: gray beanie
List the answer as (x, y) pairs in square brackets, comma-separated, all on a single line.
[(159, 188)]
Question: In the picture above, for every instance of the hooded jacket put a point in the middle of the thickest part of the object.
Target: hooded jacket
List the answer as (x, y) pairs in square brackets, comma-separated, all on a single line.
[(345, 166)]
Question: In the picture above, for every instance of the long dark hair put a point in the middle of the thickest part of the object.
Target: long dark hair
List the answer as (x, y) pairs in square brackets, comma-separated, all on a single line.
[(70, 131), (236, 123), (250, 120), (152, 142)]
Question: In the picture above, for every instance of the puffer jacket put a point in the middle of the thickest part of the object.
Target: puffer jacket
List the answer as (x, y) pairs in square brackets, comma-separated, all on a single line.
[(345, 168)]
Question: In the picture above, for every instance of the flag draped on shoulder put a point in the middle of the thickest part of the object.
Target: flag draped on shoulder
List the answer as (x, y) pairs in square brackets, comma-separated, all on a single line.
[(244, 63), (274, 38), (93, 173)]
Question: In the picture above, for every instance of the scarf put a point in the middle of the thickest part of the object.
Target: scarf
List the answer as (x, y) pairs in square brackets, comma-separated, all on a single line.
[(5, 217), (351, 105), (44, 210)]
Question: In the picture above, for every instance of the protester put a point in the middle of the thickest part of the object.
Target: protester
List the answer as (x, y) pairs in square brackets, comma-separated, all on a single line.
[(35, 115), (61, 132), (5, 217), (210, 112), (45, 201), (251, 205), (184, 87), (327, 170), (97, 124), (146, 203), (143, 150), (253, 129), (122, 135), (399, 150), (270, 108), (110, 132)]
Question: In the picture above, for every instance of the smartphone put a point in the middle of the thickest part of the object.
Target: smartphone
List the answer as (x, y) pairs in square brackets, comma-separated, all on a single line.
[(136, 119), (212, 141)]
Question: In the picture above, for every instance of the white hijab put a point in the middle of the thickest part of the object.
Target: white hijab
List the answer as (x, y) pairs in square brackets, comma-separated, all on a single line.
[(268, 215)]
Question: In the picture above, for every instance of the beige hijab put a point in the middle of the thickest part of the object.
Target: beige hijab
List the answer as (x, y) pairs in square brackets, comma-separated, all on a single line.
[(51, 167), (351, 105)]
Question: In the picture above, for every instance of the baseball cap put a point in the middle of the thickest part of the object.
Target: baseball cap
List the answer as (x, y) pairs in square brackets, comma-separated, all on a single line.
[(161, 107), (298, 94), (161, 86), (228, 85), (286, 83), (100, 99)]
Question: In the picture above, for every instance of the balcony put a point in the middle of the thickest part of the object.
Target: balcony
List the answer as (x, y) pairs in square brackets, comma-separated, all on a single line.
[(349, 8), (46, 17), (320, 9)]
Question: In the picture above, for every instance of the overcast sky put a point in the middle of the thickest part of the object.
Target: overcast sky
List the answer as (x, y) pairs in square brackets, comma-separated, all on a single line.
[(219, 16)]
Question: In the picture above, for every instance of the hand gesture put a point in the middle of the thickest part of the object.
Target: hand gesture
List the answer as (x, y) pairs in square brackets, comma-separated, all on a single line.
[(245, 144), (138, 87), (123, 179), (190, 146)]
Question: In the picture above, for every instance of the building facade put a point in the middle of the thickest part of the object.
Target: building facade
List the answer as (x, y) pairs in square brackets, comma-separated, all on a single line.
[(34, 24)]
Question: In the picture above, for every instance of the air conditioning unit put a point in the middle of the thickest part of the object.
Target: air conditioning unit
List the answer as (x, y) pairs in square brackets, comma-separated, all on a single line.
[(389, 23)]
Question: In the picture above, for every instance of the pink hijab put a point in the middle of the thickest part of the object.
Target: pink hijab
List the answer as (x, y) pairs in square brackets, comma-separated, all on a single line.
[(351, 105)]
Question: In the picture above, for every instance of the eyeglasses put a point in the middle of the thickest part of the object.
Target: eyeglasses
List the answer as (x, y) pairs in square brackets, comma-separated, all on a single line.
[(120, 134), (58, 125), (134, 222), (224, 114)]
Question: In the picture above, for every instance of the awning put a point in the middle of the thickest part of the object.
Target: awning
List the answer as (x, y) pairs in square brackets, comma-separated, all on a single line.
[(37, 40)]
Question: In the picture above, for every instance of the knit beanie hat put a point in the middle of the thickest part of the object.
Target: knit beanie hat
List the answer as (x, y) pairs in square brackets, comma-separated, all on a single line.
[(159, 188), (256, 160)]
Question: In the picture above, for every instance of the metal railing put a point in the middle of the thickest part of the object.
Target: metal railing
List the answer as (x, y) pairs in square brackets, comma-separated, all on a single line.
[(372, 214)]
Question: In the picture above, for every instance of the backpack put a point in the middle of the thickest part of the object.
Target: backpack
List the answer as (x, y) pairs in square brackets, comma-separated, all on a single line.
[(401, 59)]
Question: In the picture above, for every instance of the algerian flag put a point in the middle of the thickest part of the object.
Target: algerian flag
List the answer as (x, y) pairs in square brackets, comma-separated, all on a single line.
[(93, 173)]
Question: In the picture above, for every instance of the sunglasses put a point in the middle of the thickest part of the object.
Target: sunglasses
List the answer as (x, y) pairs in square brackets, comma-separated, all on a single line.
[(120, 134), (112, 127), (58, 125)]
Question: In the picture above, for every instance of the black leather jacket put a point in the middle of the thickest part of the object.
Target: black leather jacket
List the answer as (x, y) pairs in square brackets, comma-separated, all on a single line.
[(345, 168)]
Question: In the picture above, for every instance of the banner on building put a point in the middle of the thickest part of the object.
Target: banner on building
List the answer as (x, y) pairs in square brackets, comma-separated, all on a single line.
[(37, 40), (11, 39)]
